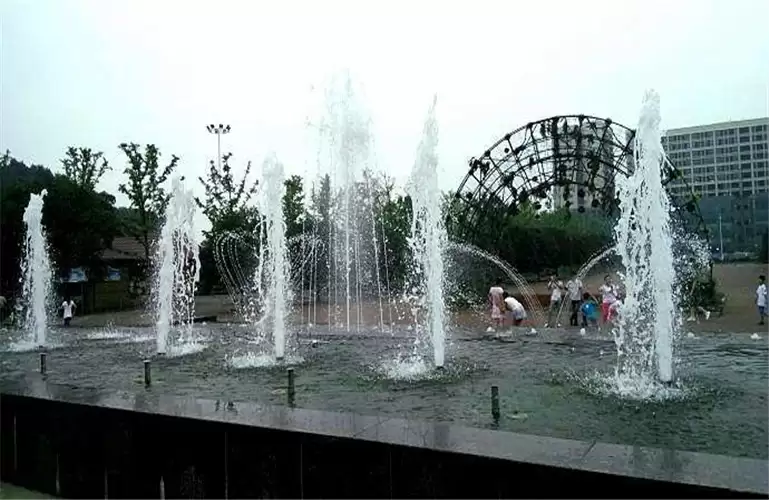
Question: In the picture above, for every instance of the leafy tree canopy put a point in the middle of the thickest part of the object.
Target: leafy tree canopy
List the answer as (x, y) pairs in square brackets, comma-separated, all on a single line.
[(145, 190), (84, 167)]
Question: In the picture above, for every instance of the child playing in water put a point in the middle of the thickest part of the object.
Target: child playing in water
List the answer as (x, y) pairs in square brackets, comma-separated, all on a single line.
[(515, 310), (497, 305), (589, 310), (608, 297)]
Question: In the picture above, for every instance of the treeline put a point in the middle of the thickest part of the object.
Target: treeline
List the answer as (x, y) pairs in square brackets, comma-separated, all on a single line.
[(82, 221), (531, 240)]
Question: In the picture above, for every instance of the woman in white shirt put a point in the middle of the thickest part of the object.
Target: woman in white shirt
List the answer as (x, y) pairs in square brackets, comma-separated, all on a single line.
[(556, 294), (68, 307), (761, 298)]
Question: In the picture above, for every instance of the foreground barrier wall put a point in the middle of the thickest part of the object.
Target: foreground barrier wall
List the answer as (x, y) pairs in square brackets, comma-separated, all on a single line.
[(79, 443)]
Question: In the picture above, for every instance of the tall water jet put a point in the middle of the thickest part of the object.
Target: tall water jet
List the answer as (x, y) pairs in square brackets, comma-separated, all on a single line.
[(646, 327), (428, 235), (178, 269), (275, 267), (350, 267), (36, 273)]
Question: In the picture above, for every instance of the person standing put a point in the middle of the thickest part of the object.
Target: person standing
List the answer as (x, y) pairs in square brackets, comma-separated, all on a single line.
[(68, 307), (608, 297), (556, 294), (761, 298), (574, 287), (497, 305)]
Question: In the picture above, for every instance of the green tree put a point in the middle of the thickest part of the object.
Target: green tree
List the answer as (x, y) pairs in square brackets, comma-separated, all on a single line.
[(17, 181), (395, 213), (79, 222), (293, 206), (319, 222), (227, 206), (226, 201), (530, 239), (145, 191), (84, 167)]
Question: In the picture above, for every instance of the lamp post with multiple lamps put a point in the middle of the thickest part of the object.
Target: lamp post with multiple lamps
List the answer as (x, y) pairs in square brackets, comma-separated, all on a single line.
[(218, 130)]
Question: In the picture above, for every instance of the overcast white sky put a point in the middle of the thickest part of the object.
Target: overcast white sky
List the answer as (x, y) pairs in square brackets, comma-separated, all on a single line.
[(96, 73)]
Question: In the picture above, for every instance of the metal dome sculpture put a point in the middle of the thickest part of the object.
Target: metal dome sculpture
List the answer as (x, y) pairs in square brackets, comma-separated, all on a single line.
[(568, 161)]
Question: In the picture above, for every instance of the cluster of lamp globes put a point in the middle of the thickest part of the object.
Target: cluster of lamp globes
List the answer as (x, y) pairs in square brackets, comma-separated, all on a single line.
[(220, 129)]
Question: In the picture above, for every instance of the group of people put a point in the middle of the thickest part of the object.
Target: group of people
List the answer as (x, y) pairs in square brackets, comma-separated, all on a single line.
[(585, 309), (505, 307)]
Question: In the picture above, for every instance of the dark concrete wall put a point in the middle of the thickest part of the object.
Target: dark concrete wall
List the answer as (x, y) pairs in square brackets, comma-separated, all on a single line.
[(85, 450)]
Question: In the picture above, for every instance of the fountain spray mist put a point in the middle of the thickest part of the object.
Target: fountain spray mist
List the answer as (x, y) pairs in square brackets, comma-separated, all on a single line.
[(178, 268), (36, 272), (428, 235), (645, 332), (275, 268)]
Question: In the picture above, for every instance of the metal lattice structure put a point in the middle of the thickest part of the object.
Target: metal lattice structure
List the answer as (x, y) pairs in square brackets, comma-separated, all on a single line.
[(567, 161)]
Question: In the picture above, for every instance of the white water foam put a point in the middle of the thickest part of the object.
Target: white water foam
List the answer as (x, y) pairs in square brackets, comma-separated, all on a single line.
[(107, 335), (261, 360), (411, 367), (26, 345), (137, 339), (631, 387), (185, 348)]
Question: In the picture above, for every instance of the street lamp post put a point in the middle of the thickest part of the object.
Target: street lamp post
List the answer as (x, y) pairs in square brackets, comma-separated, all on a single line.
[(218, 130), (721, 236)]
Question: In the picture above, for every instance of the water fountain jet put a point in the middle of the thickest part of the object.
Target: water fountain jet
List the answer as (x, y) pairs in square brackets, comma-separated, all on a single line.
[(178, 271), (276, 272), (646, 327), (36, 276), (428, 236)]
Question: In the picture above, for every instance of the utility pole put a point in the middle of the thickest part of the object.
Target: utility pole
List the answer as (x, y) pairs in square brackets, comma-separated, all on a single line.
[(218, 130), (720, 236)]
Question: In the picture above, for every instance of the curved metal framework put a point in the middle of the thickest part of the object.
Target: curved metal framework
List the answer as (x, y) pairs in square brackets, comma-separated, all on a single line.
[(561, 161)]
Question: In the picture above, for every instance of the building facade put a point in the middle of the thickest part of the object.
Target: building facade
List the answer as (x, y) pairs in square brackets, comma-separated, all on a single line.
[(726, 164)]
